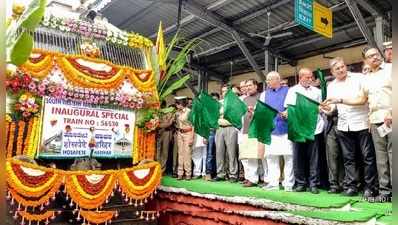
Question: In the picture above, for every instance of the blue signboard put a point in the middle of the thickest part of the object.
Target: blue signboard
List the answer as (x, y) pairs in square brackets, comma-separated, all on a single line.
[(303, 13)]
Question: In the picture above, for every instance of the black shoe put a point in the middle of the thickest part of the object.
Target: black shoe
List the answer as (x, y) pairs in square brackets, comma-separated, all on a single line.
[(300, 189), (314, 190), (218, 179), (334, 190), (350, 192), (368, 194)]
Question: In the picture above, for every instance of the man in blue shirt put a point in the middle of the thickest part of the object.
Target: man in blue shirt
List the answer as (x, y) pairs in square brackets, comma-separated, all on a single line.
[(274, 96)]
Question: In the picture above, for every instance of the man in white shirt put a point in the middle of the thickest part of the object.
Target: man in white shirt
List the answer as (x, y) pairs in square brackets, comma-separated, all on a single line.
[(352, 128), (306, 152), (377, 92)]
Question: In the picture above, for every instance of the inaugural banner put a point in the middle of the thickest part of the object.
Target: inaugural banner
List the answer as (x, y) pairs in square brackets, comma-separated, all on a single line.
[(76, 129)]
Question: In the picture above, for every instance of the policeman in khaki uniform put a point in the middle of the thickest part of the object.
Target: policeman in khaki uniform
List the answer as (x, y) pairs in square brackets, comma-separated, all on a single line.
[(185, 138), (165, 135)]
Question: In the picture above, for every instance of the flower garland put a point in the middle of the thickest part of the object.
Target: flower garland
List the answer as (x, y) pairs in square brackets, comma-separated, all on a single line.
[(10, 140), (86, 83), (43, 200), (21, 129), (132, 190), (39, 67), (96, 30), (80, 79), (97, 217), (31, 180), (36, 182), (16, 182), (28, 136), (37, 217), (34, 137)]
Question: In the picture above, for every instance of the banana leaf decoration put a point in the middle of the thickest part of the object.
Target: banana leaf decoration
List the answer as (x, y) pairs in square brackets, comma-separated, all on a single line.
[(19, 40)]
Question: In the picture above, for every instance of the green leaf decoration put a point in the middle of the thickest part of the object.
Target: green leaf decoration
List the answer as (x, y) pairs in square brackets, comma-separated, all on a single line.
[(22, 48), (174, 86), (33, 14)]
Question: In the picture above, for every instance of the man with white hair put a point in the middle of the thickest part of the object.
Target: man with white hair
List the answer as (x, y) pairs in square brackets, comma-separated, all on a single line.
[(352, 129), (280, 146), (306, 154)]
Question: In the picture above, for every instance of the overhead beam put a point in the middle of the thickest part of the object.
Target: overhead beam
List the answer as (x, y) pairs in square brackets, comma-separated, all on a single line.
[(283, 26), (260, 12), (195, 9), (360, 21), (368, 7), (218, 4), (301, 41), (186, 20), (212, 74)]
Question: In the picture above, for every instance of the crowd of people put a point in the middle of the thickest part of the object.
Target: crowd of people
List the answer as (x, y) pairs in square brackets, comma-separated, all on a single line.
[(350, 154)]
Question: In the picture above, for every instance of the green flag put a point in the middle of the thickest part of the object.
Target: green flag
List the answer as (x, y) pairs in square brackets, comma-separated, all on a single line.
[(204, 114), (212, 108), (293, 125), (302, 119), (234, 109), (322, 80), (262, 123)]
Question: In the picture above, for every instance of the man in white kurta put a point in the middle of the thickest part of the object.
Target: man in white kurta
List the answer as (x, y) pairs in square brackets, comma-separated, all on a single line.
[(280, 146)]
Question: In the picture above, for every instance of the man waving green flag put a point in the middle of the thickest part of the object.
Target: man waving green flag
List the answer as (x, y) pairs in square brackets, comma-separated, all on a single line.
[(262, 123), (302, 119), (234, 109), (204, 114)]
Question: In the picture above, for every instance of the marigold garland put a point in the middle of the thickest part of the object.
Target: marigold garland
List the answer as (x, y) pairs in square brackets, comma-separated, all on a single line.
[(36, 217), (74, 75), (97, 217), (83, 80), (35, 137), (28, 136), (10, 140), (144, 145), (21, 129), (92, 72), (72, 182), (28, 180), (132, 186), (139, 191), (41, 68), (15, 183)]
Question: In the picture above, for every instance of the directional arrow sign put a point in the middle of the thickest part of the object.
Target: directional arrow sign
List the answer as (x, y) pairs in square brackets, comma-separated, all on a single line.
[(314, 16), (322, 20)]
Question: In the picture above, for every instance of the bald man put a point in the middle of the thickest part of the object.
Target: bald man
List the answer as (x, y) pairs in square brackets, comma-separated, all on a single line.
[(306, 152)]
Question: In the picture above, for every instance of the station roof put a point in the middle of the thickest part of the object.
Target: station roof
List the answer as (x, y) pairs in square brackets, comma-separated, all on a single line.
[(214, 21)]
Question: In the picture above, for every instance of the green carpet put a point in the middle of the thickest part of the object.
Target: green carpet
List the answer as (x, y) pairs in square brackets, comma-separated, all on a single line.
[(363, 211), (387, 220), (378, 208), (224, 188), (352, 216)]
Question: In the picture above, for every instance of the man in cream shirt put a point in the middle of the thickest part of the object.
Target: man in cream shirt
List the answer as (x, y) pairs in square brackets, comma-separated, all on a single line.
[(377, 92)]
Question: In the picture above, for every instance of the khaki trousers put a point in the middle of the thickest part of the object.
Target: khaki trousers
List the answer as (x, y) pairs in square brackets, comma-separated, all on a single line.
[(163, 150), (184, 154)]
